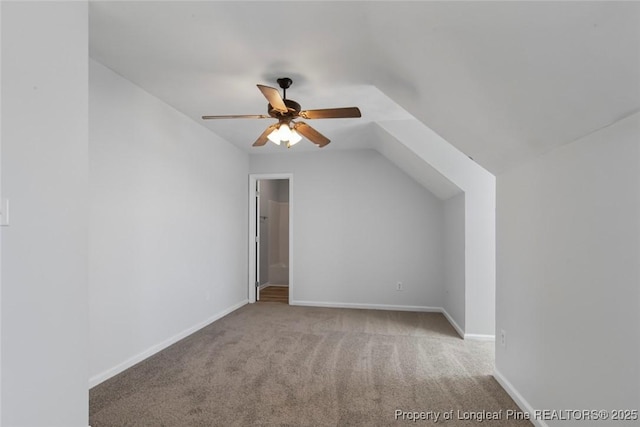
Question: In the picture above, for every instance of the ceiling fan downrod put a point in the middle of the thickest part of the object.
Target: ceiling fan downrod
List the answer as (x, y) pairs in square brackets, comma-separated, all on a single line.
[(285, 83)]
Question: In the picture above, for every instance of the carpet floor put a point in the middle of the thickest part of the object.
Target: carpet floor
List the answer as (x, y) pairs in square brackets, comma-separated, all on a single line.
[(273, 364)]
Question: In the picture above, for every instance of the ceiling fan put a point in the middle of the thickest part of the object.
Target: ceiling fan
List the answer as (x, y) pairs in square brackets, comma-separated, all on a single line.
[(287, 131)]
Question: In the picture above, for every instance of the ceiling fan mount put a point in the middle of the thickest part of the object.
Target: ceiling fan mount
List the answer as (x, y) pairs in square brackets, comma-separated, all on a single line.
[(284, 82), (285, 111)]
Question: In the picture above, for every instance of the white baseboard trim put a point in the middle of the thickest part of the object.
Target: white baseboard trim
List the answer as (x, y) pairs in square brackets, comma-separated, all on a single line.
[(105, 375), (517, 397), (367, 306), (479, 337), (455, 325)]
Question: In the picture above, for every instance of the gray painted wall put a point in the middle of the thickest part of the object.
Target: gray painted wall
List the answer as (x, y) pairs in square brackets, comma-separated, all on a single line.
[(360, 226), (568, 292), (44, 249), (479, 187), (454, 249), (167, 211)]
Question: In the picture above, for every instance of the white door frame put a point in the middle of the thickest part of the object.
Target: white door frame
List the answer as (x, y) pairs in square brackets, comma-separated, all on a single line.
[(253, 179)]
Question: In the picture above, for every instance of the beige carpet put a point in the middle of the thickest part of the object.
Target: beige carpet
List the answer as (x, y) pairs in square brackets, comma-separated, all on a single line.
[(273, 364)]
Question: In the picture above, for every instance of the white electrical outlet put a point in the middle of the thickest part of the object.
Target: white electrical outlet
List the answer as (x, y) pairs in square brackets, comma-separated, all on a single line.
[(207, 295), (399, 286), (503, 338)]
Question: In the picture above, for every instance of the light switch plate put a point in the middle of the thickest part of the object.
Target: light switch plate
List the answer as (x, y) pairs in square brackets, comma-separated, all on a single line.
[(4, 212)]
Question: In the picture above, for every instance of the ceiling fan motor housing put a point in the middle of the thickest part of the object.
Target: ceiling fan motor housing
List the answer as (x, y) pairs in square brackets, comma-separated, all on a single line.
[(293, 106)]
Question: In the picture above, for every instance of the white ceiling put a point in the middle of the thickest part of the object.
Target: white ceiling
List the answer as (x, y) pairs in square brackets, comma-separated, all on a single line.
[(501, 81)]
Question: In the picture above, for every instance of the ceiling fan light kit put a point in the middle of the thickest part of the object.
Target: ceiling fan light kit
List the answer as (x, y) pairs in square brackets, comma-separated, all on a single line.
[(284, 134), (286, 131)]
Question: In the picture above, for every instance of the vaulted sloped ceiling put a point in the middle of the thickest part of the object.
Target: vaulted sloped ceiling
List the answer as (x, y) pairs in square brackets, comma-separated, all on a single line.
[(501, 81)]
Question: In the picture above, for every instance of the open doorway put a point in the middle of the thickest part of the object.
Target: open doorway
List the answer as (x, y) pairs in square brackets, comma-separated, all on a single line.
[(273, 240), (270, 228)]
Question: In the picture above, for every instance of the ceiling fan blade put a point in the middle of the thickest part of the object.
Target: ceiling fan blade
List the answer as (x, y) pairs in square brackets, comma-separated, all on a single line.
[(262, 139), (311, 134), (238, 116), (274, 98), (331, 113)]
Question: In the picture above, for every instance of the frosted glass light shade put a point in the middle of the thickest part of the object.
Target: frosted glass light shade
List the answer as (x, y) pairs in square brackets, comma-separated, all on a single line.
[(275, 136), (294, 139), (284, 134)]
